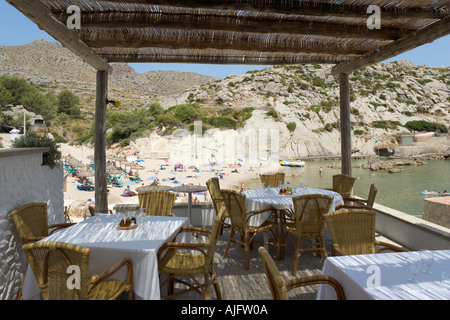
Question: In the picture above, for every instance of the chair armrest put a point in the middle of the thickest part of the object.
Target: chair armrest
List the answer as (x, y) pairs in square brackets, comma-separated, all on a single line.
[(287, 215), (180, 245), (256, 212), (195, 229), (59, 226), (313, 280), (350, 206), (96, 279), (388, 246)]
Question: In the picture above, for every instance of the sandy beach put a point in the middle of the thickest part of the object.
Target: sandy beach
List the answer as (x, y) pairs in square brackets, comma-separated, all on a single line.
[(231, 176)]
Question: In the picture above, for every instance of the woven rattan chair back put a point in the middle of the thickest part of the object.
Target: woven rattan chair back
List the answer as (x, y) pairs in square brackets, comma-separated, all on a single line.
[(50, 262), (279, 288), (352, 231), (276, 282), (235, 203), (309, 211), (343, 184), (214, 191), (213, 237), (31, 221), (372, 194), (272, 180), (157, 202)]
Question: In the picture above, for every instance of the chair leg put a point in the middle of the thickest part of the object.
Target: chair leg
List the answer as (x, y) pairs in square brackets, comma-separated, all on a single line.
[(229, 241), (247, 251), (19, 293), (216, 284), (296, 257), (207, 292)]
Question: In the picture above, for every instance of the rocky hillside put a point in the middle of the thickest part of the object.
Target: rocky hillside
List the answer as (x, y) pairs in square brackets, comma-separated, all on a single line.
[(302, 102), (50, 65)]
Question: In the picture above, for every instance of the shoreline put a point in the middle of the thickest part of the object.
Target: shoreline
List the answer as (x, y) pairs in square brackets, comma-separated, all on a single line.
[(152, 170)]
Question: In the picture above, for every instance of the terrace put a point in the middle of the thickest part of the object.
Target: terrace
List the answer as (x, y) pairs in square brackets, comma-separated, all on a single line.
[(247, 32)]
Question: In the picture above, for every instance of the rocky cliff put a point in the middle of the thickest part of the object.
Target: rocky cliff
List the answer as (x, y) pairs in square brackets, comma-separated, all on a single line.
[(383, 98)]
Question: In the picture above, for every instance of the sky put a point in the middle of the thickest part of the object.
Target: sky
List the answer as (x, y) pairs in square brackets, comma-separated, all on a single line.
[(16, 29)]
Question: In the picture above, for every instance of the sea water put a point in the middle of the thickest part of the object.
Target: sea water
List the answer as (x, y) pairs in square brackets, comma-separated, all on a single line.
[(401, 190)]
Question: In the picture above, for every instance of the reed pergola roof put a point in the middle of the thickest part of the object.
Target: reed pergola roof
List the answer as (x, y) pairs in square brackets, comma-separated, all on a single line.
[(263, 32)]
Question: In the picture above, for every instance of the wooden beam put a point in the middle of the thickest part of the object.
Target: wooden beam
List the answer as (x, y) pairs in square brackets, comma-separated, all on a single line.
[(241, 23), (304, 7), (101, 200), (217, 59), (346, 134), (37, 12), (420, 37), (218, 40)]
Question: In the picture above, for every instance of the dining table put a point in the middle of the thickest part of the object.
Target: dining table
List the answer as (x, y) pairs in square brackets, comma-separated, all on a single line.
[(259, 198), (109, 244), (389, 276)]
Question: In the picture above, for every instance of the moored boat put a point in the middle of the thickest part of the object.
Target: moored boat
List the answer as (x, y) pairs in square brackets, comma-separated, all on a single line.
[(291, 163)]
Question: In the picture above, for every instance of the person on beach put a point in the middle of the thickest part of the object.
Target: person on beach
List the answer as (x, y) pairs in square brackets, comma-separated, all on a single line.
[(320, 171)]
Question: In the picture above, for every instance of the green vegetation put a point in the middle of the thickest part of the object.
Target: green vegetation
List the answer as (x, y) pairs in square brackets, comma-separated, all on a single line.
[(61, 112), (272, 113), (291, 126), (68, 103), (422, 125), (131, 125), (30, 140), (17, 91)]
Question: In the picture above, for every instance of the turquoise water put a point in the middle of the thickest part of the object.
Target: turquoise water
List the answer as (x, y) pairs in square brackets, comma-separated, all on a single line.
[(400, 191)]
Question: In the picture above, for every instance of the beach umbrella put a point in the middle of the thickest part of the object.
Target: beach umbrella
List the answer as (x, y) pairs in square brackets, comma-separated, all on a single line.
[(136, 167), (114, 172), (152, 178), (85, 173), (76, 163)]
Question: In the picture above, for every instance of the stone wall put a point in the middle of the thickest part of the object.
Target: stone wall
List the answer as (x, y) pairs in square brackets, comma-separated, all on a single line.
[(23, 180), (437, 210)]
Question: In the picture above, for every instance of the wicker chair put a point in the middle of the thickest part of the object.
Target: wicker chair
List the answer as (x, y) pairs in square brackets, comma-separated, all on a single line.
[(356, 203), (306, 223), (178, 263), (216, 197), (31, 222), (279, 287), (239, 217), (50, 261), (343, 184), (352, 232), (272, 180), (157, 202)]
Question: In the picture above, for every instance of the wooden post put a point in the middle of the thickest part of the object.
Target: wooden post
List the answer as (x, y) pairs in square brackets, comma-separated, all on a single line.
[(346, 134), (101, 200)]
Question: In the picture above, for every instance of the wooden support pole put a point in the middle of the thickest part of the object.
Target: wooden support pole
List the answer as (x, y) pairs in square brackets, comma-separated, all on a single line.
[(101, 200), (346, 134)]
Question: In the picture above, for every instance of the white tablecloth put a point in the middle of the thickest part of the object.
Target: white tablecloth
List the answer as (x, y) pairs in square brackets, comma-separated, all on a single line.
[(108, 245), (261, 198), (358, 275)]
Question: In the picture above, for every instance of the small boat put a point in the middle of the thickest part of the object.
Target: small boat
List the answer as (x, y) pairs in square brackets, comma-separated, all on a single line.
[(291, 163)]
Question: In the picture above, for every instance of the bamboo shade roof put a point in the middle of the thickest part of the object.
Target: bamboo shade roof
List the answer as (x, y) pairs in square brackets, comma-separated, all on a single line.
[(263, 32)]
